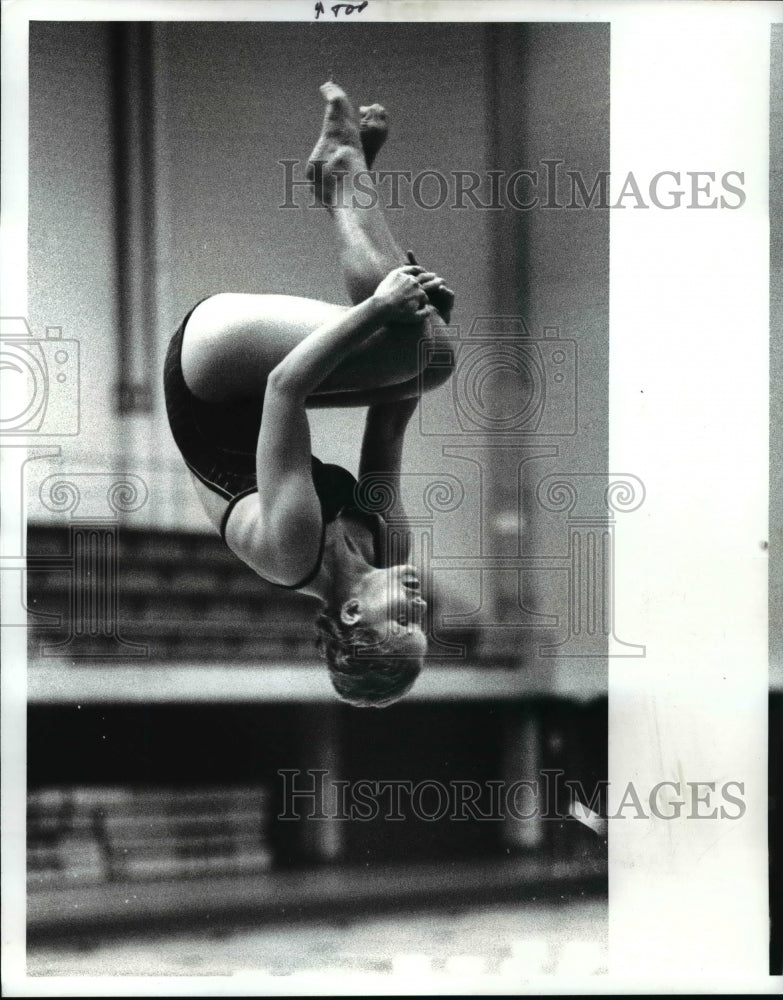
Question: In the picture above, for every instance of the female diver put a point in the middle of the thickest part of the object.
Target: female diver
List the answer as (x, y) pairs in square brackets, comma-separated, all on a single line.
[(240, 373)]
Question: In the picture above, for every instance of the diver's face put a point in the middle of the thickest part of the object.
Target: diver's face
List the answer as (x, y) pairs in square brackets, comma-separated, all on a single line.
[(389, 602)]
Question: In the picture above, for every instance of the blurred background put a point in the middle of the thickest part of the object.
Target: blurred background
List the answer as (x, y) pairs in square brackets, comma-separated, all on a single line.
[(168, 685)]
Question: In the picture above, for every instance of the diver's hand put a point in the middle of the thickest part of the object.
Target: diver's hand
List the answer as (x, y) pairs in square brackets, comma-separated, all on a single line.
[(438, 292), (402, 297)]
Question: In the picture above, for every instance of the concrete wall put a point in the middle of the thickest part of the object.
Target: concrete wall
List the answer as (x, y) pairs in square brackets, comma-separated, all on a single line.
[(565, 284), (71, 215)]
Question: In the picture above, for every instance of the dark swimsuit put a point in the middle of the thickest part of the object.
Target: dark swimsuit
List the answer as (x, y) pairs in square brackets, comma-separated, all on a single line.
[(218, 443)]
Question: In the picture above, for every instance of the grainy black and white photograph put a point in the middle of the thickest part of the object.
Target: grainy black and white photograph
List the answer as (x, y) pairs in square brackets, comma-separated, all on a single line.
[(369, 621)]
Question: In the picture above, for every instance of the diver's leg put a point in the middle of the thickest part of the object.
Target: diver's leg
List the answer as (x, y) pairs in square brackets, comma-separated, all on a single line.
[(233, 341), (341, 180), (338, 170)]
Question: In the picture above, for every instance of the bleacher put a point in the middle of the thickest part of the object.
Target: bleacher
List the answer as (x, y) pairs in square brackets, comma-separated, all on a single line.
[(168, 597), (180, 597)]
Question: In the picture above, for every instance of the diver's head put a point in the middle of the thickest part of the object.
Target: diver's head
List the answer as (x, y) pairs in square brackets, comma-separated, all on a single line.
[(373, 641)]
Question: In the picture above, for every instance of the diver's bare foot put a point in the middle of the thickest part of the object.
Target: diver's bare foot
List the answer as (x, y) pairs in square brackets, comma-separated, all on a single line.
[(339, 147), (373, 129)]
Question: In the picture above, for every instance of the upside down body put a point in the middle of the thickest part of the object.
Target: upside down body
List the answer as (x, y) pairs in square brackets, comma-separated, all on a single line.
[(242, 372)]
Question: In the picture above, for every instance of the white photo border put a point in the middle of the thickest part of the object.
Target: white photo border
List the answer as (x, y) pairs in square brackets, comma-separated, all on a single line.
[(689, 389)]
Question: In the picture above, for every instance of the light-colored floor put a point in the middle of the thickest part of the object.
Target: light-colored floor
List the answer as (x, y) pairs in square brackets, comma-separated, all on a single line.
[(504, 944)]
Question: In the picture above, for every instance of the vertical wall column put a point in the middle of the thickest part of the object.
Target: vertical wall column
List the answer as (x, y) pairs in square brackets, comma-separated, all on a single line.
[(321, 831), (133, 114), (506, 67), (139, 108), (550, 121), (523, 823)]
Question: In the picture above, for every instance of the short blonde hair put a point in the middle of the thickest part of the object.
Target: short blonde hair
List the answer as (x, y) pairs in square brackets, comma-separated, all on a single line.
[(364, 681)]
